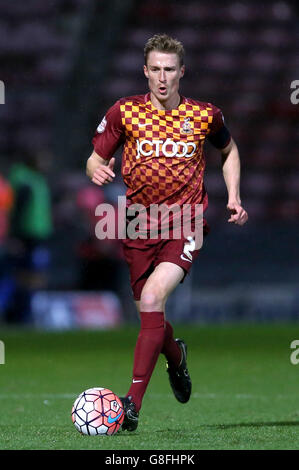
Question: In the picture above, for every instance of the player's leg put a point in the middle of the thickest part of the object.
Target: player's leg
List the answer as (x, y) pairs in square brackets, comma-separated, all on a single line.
[(172, 260), (150, 341), (175, 352), (170, 348), (152, 288), (159, 285)]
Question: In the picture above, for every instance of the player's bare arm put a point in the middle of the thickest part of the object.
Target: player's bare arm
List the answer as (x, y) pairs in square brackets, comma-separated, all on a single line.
[(99, 170), (231, 172)]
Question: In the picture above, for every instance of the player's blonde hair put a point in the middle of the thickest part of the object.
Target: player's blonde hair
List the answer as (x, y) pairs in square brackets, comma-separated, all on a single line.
[(164, 43)]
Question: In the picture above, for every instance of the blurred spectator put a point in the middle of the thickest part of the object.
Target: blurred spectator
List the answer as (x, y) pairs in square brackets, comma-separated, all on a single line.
[(6, 202), (30, 231), (6, 282)]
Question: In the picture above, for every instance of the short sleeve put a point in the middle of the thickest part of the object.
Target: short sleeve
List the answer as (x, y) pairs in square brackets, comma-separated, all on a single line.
[(219, 135), (109, 134)]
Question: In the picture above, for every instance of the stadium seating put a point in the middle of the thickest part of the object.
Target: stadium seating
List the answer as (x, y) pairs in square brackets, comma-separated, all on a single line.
[(37, 46)]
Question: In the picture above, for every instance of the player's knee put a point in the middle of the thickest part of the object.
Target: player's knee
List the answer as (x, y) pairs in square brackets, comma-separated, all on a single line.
[(151, 300)]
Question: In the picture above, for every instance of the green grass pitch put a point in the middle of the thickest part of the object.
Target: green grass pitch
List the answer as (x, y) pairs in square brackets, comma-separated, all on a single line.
[(245, 389)]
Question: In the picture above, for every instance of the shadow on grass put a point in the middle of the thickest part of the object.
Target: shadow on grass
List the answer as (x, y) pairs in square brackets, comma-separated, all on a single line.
[(253, 425), (239, 425)]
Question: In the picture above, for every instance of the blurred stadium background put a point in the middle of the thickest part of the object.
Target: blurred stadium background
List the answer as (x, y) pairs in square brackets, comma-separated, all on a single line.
[(63, 63)]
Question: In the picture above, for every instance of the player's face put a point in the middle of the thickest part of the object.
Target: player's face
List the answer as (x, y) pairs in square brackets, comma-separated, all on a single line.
[(164, 72)]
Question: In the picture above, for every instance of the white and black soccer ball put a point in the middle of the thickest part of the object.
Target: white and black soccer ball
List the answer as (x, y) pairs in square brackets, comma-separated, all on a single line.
[(97, 411)]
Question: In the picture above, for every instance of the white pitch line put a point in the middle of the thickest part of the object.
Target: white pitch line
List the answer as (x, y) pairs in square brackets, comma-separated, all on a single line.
[(42, 396), (202, 396), (217, 396)]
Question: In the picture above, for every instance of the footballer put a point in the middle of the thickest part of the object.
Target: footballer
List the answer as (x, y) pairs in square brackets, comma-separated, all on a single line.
[(162, 134)]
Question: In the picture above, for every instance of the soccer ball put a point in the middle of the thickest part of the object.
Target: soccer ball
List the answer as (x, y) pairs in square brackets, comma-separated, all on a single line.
[(97, 411)]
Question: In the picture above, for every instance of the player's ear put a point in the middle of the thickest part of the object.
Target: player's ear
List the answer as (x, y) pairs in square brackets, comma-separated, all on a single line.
[(182, 71), (145, 71)]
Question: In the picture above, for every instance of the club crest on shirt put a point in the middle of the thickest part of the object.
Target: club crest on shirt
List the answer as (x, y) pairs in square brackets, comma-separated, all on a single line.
[(101, 127), (186, 127)]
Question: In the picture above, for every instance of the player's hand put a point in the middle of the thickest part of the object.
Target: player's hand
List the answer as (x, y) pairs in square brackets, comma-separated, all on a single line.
[(238, 215), (104, 174)]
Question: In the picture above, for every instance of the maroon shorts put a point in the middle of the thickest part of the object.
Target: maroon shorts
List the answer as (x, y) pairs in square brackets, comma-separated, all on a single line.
[(143, 255)]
